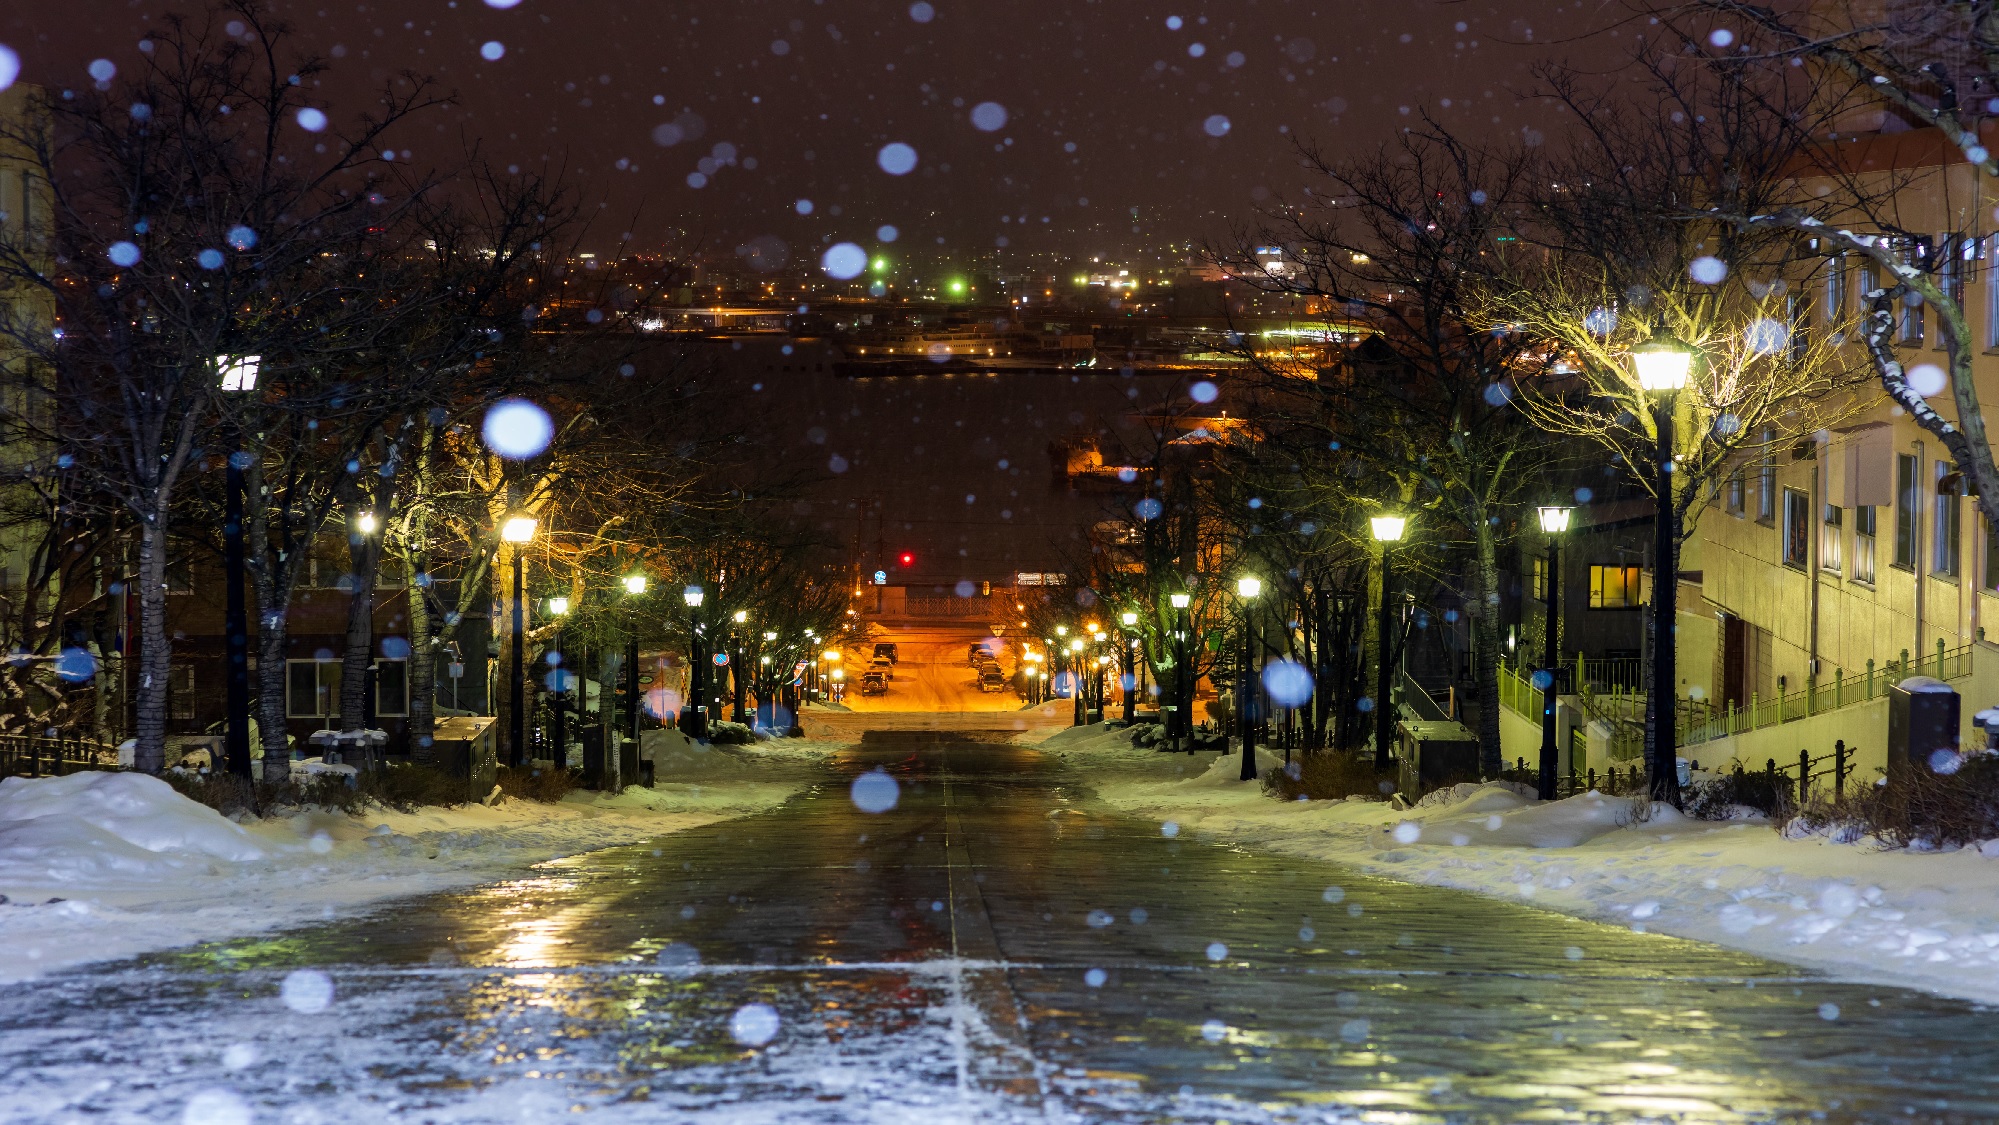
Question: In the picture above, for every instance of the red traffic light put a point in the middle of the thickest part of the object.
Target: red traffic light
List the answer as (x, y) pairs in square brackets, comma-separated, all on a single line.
[(908, 559)]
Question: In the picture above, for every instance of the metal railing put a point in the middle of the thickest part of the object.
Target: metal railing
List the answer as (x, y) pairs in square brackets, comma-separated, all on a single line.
[(53, 756), (1700, 722), (1710, 723)]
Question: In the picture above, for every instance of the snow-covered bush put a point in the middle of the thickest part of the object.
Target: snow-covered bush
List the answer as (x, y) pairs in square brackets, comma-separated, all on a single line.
[(730, 734)]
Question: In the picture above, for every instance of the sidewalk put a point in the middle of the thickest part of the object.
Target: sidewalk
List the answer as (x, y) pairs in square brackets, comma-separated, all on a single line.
[(1921, 920)]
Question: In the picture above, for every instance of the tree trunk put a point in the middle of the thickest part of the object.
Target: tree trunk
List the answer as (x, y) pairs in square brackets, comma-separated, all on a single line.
[(422, 672), (501, 699), (272, 685), (155, 649), (366, 556), (1485, 649)]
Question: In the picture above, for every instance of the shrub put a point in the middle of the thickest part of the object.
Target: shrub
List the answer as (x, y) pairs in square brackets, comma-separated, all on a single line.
[(1724, 798), (1920, 807), (228, 794), (730, 734), (406, 788), (1328, 774), (546, 786)]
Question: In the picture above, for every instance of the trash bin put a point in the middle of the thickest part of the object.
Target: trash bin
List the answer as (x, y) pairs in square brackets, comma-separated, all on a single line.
[(592, 738), (464, 747), (1434, 754), (1922, 720)]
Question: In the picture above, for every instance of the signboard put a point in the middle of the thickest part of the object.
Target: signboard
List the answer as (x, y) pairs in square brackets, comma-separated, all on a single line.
[(1032, 578), (721, 658), (455, 670), (881, 577)]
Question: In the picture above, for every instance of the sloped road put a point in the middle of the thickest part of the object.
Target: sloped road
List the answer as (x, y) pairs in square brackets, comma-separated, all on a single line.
[(992, 948)]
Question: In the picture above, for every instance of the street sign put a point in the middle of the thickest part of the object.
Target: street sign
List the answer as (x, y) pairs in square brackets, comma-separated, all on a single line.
[(881, 577), (455, 670), (721, 658)]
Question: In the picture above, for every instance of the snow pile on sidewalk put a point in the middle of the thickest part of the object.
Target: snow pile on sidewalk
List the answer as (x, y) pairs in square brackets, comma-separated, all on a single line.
[(1927, 920), (93, 827), (102, 865)]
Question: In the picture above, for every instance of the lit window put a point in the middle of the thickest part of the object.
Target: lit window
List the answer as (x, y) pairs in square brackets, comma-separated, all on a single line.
[(1613, 587)]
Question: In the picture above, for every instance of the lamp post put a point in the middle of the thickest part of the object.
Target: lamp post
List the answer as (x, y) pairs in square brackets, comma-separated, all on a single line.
[(694, 712), (614, 755), (1181, 721), (1554, 521), (767, 678), (238, 376), (736, 661), (1387, 529), (1077, 690), (1132, 668), (1662, 364), (518, 529), (1247, 588), (558, 608)]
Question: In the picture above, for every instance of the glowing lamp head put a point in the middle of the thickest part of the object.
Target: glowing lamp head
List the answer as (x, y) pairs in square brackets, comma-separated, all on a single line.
[(367, 524), (1181, 601), (635, 583), (238, 373), (1388, 529), (740, 616), (558, 606), (1662, 362), (831, 654), (770, 636), (1129, 619), (1061, 630), (1249, 587), (1554, 518), (1076, 645), (518, 529), (693, 596)]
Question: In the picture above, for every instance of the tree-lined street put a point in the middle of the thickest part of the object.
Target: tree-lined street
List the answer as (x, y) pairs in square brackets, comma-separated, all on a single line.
[(994, 947)]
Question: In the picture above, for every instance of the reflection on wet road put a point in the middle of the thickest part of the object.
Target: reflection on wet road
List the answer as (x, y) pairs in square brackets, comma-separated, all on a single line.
[(993, 948)]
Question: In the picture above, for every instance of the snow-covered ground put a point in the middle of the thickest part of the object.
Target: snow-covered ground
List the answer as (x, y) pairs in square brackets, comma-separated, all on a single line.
[(106, 865), (1922, 919)]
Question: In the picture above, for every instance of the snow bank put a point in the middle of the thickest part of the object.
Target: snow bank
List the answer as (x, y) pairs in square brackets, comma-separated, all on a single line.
[(1925, 920), (96, 865), (95, 827)]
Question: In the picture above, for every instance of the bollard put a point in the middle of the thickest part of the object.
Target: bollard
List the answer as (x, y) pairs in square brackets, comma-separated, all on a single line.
[(1592, 777), (1839, 770), (1804, 776)]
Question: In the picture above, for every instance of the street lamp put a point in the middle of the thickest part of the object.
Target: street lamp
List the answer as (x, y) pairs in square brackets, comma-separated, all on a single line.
[(559, 685), (614, 755), (518, 529), (1076, 679), (237, 375), (1134, 669), (1180, 717), (1662, 364), (694, 710), (1554, 521), (1247, 588), (1388, 529), (736, 662), (366, 523)]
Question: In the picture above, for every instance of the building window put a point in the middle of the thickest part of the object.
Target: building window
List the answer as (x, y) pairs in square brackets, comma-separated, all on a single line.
[(1911, 329), (1992, 292), (1832, 536), (1950, 269), (1613, 587), (392, 688), (1797, 528), (1834, 304), (1537, 580), (1863, 545), (1766, 480), (1991, 556), (312, 688), (1737, 492), (1906, 500), (1945, 527), (180, 691)]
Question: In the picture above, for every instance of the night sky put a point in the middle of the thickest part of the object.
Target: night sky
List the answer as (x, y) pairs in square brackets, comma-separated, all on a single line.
[(1107, 109)]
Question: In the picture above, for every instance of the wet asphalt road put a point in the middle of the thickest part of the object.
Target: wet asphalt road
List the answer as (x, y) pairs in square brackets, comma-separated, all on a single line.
[(994, 948)]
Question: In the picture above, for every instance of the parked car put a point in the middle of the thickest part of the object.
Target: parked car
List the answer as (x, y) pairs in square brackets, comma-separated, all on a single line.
[(874, 683), (885, 650), (883, 665), (978, 653), (988, 665), (992, 680)]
